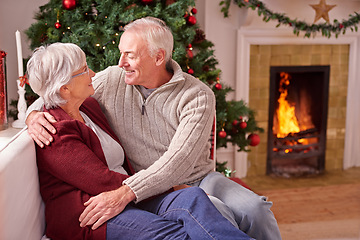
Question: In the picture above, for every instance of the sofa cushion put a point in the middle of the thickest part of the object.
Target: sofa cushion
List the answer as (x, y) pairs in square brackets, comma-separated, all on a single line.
[(21, 206)]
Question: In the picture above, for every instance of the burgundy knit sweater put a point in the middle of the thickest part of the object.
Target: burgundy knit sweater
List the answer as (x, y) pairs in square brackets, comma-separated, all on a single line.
[(71, 170)]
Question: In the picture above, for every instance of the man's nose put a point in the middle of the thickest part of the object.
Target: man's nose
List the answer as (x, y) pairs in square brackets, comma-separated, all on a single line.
[(122, 61)]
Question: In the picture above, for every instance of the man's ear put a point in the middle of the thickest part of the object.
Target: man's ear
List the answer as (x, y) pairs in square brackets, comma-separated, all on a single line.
[(160, 57)]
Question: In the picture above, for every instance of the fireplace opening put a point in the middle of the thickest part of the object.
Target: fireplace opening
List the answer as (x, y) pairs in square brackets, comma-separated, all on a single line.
[(298, 107)]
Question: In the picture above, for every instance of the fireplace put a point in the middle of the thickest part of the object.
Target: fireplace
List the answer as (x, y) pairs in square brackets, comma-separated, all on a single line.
[(298, 108)]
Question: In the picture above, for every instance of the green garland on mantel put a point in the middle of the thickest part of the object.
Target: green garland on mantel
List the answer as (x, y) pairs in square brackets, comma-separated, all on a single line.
[(326, 29)]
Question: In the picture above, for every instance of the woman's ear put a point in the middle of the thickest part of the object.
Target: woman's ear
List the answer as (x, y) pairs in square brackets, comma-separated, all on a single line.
[(64, 90), (160, 57)]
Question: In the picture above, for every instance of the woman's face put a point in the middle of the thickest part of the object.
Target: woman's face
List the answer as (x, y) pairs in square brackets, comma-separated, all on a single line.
[(80, 85)]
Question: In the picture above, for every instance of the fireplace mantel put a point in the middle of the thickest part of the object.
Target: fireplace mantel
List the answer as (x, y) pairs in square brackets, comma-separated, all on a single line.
[(247, 37)]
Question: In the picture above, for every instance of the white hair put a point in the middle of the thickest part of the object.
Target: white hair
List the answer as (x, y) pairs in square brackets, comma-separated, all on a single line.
[(50, 67), (156, 33)]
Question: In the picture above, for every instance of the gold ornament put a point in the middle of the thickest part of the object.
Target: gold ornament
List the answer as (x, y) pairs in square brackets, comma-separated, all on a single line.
[(322, 10)]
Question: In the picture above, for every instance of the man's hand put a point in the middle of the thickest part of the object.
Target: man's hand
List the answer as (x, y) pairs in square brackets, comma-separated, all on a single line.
[(105, 206), (39, 123)]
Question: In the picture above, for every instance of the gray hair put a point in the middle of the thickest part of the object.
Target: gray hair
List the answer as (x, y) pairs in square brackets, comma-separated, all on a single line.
[(156, 33), (50, 67)]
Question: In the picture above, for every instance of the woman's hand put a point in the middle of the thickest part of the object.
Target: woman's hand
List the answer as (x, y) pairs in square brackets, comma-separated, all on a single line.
[(105, 206), (39, 126)]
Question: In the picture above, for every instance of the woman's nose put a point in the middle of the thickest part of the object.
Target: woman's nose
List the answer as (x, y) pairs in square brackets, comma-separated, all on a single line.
[(91, 73)]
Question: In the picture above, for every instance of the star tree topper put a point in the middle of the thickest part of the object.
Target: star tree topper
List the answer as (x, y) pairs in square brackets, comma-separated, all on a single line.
[(322, 10)]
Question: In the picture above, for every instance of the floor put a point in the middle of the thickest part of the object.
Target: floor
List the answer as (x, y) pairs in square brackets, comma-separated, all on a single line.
[(320, 207)]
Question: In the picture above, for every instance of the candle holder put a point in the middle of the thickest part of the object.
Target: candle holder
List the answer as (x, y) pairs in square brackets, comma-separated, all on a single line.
[(21, 106)]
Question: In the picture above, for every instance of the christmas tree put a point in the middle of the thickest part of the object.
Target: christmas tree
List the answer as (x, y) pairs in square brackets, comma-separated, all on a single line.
[(96, 26)]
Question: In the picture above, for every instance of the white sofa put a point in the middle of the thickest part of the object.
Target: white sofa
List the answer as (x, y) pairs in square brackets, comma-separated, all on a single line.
[(21, 206)]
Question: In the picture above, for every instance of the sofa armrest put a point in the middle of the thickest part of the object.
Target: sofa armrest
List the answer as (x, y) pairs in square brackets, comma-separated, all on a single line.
[(21, 206)]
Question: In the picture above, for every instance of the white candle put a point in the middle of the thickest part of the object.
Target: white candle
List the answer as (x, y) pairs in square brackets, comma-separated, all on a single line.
[(19, 53)]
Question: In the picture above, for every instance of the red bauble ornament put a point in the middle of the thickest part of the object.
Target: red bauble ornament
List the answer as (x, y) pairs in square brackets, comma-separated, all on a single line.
[(190, 71), (189, 54), (235, 122), (146, 2), (254, 139), (191, 20), (2, 54), (243, 125), (69, 4), (222, 134), (57, 25), (194, 11), (218, 86)]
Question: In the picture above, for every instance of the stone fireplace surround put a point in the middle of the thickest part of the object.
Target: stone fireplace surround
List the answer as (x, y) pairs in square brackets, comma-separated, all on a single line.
[(250, 40)]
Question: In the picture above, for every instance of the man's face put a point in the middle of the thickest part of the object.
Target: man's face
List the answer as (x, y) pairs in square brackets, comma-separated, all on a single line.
[(135, 59)]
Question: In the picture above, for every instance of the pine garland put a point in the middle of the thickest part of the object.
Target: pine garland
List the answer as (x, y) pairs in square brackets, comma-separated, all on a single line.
[(326, 29)]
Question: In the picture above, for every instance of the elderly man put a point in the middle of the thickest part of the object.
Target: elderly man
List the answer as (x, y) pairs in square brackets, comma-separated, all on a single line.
[(163, 118)]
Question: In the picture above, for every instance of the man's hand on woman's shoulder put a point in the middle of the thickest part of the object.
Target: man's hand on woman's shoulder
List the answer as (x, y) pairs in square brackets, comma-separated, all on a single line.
[(39, 125)]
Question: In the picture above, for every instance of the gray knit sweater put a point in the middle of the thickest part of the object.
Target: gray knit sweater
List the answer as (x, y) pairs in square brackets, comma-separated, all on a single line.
[(166, 136)]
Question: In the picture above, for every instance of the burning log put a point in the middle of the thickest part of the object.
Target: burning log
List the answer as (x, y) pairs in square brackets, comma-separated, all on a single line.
[(301, 142), (309, 133)]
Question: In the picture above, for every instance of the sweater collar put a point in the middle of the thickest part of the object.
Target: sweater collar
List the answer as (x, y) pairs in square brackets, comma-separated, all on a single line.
[(177, 77), (178, 73)]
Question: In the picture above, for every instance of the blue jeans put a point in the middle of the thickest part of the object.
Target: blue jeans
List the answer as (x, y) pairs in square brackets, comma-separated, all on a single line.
[(241, 206), (183, 214)]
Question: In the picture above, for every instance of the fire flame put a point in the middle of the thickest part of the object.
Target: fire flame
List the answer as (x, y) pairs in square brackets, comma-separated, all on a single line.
[(285, 119)]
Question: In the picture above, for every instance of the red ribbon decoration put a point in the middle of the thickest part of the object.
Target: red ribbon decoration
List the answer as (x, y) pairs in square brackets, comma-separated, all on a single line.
[(23, 80)]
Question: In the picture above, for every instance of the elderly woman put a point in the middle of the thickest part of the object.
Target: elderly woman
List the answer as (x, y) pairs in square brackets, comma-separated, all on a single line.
[(86, 159)]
